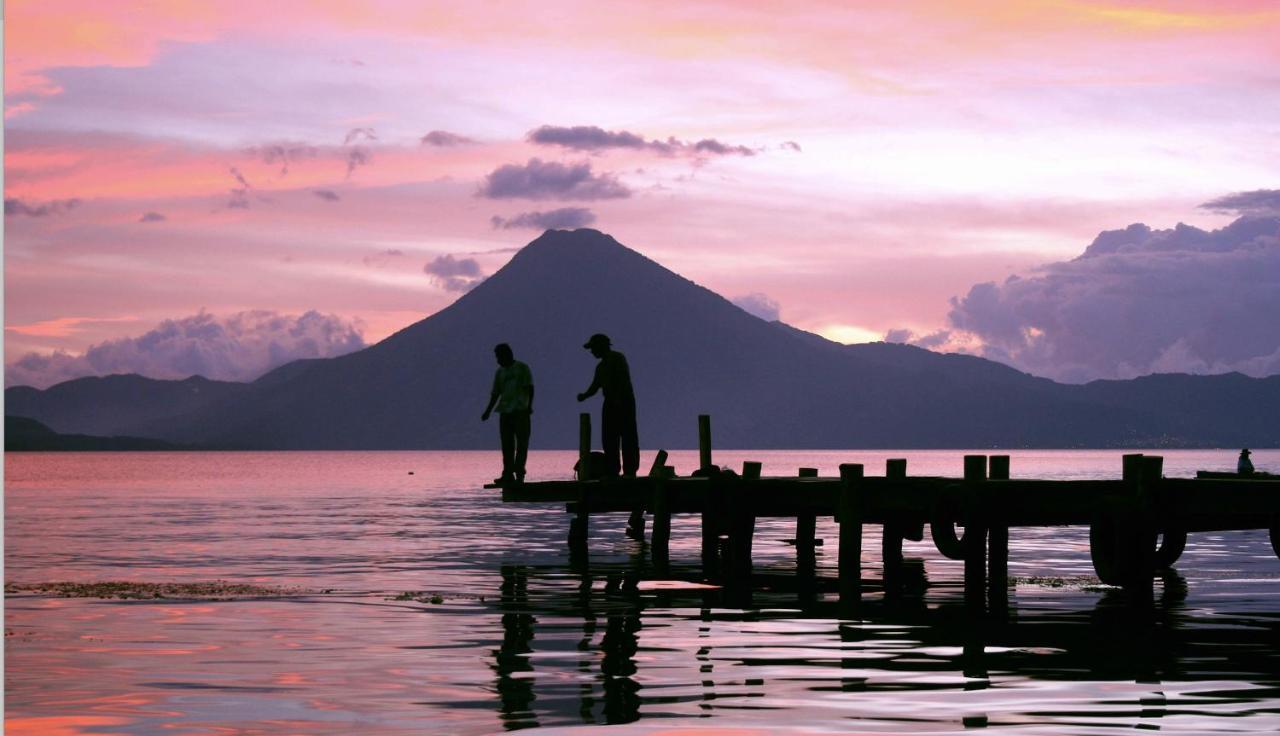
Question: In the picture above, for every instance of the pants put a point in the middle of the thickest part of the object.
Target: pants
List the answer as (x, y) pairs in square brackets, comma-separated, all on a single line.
[(618, 427), (514, 430)]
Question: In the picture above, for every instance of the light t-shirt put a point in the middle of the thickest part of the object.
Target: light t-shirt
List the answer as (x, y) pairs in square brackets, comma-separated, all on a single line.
[(513, 384)]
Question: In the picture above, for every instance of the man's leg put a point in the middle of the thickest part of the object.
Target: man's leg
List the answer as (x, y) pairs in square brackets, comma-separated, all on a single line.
[(507, 430), (630, 444), (523, 423), (611, 437)]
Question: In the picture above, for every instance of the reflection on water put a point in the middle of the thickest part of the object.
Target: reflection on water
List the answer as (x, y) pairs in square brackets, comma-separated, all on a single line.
[(521, 636)]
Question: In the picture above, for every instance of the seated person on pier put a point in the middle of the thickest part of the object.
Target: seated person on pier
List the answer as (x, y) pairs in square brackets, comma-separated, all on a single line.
[(1244, 466)]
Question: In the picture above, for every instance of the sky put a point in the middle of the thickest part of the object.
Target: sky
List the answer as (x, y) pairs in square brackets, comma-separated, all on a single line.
[(221, 187)]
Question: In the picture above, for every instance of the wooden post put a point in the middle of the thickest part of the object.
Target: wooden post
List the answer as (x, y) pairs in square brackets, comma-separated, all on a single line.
[(578, 527), (704, 441), (742, 526), (998, 544), (849, 516), (806, 531), (892, 532), (660, 540), (1140, 532), (975, 533)]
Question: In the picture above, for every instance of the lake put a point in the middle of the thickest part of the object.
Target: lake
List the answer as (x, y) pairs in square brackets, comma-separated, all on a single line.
[(396, 596)]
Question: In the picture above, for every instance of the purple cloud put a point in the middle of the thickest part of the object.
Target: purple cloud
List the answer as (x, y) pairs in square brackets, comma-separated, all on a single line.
[(539, 180), (595, 139), (444, 139), (454, 274), (284, 154), (565, 218), (152, 217), (904, 336), (1259, 202), (357, 134), (15, 207), (240, 347), (791, 146), (759, 305), (356, 158), (1140, 301), (327, 195)]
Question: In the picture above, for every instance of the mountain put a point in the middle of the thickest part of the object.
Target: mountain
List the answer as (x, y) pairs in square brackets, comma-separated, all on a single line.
[(766, 385), (22, 434)]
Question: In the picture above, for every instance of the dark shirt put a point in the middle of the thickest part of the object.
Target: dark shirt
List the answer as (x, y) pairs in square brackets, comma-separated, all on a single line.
[(614, 379)]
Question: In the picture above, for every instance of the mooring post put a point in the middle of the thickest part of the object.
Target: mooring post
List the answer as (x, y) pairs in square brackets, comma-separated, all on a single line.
[(704, 441), (975, 533), (1140, 531), (998, 542), (657, 504), (849, 516), (892, 532), (806, 530), (578, 526), (743, 526)]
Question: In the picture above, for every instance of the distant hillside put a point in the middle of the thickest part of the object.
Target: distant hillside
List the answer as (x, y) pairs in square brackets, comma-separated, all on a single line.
[(22, 434), (691, 351)]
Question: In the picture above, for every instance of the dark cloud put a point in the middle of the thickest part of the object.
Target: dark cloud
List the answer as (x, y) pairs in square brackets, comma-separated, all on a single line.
[(14, 207), (1140, 301), (1259, 202), (760, 305), (550, 180), (382, 256), (565, 218), (596, 139), (454, 274), (357, 134), (904, 336), (444, 138), (284, 154), (152, 217), (357, 157), (327, 195), (791, 146), (240, 347)]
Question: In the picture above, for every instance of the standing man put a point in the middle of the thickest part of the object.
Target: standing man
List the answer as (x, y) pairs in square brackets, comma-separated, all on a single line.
[(513, 395), (618, 416)]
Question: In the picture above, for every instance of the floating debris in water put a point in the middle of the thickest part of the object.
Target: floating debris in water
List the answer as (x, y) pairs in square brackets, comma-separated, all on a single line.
[(1087, 582), (219, 590), (420, 596)]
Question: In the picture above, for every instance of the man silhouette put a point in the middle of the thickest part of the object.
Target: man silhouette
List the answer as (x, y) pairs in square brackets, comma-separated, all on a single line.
[(618, 415), (1244, 466), (513, 395)]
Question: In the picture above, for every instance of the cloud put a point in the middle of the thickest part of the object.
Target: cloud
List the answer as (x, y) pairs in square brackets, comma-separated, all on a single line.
[(550, 180), (327, 195), (152, 217), (14, 207), (932, 341), (356, 158), (284, 154), (596, 139), (1259, 202), (382, 256), (444, 139), (356, 134), (240, 347), (565, 218), (760, 305), (1140, 301), (454, 274), (790, 146)]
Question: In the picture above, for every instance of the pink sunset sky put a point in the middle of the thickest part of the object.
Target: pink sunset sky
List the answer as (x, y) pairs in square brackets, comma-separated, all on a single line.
[(243, 183)]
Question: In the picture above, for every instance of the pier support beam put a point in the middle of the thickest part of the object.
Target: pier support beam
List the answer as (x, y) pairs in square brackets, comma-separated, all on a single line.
[(998, 544), (806, 533), (975, 533), (892, 533), (578, 528), (704, 441), (849, 516)]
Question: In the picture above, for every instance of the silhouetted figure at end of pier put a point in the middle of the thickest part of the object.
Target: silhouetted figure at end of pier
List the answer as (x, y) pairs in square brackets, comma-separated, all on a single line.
[(1245, 465), (513, 396), (618, 415)]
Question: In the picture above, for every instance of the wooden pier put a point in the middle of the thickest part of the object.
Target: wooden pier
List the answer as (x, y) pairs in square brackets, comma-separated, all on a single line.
[(1138, 524)]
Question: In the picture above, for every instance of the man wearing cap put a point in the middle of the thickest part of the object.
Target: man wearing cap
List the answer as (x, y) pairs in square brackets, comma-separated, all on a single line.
[(618, 415), (512, 394), (1245, 465)]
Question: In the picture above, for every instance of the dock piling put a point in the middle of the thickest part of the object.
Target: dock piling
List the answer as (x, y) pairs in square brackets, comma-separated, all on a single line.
[(975, 532), (849, 516), (998, 541), (892, 532), (704, 441), (806, 531), (742, 526), (578, 527)]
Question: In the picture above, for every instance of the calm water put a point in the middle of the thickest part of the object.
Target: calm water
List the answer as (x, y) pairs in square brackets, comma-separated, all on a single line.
[(517, 637)]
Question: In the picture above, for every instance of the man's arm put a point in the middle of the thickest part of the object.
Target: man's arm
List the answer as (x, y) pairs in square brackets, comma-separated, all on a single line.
[(493, 399), (595, 385)]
